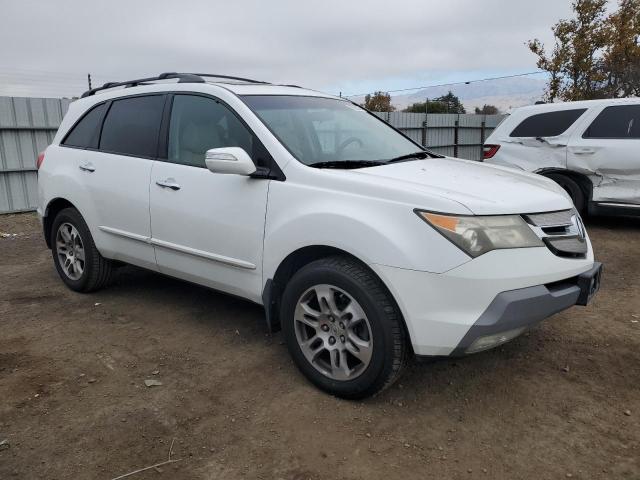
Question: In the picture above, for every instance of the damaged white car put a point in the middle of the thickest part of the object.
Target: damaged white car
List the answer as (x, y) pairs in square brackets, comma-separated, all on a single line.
[(591, 148)]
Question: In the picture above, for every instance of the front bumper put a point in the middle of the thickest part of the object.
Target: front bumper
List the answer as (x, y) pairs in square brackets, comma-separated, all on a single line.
[(513, 312), (499, 291)]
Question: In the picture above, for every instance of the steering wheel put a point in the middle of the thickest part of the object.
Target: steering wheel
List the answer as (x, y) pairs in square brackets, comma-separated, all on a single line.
[(348, 142)]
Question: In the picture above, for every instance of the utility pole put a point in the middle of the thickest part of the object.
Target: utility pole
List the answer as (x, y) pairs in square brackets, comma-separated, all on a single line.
[(89, 80)]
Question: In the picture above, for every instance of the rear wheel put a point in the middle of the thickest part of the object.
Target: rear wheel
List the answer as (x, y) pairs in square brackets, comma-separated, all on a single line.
[(572, 188), (342, 328), (77, 260)]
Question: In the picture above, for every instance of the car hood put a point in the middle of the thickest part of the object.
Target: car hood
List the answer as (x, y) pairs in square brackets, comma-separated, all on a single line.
[(483, 189)]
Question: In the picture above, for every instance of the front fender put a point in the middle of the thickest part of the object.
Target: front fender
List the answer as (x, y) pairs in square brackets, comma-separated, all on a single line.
[(376, 231)]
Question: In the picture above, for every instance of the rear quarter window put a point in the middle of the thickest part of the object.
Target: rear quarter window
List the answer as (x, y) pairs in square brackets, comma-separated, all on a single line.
[(132, 125), (621, 121), (549, 124), (85, 133)]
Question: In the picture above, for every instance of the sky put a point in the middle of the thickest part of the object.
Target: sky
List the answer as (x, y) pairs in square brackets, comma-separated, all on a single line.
[(356, 46)]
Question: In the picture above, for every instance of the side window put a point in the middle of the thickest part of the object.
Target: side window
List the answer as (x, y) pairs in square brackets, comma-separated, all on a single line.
[(547, 124), (199, 124), (622, 121), (131, 126), (85, 133)]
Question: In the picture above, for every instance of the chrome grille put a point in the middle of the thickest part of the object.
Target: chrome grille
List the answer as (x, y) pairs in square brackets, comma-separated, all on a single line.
[(562, 232), (551, 219), (567, 246)]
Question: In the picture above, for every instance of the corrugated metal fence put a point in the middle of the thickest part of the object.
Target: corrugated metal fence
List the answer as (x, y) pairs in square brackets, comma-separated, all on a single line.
[(27, 126), (455, 135)]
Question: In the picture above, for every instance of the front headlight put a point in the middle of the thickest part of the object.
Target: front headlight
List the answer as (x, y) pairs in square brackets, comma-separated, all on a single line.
[(476, 235)]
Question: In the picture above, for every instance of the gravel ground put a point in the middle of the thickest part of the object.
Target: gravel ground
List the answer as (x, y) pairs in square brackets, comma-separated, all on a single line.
[(561, 401)]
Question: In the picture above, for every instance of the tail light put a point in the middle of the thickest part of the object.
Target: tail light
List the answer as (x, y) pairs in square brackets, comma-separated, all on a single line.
[(488, 151), (40, 160)]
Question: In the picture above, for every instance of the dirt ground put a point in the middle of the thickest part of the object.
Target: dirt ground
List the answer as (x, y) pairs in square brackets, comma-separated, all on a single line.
[(562, 401)]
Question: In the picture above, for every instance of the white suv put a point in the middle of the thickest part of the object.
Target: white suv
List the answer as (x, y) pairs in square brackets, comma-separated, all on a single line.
[(590, 148), (360, 244)]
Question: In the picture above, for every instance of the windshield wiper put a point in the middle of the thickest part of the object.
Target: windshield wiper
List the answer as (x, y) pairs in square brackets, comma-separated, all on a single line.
[(346, 164), (409, 156)]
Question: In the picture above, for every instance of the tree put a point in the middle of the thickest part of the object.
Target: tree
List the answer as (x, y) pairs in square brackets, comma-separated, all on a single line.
[(451, 103), (487, 110), (621, 59), (420, 107), (595, 55), (379, 102), (448, 103)]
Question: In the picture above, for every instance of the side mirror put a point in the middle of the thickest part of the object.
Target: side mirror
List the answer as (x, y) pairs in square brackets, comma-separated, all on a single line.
[(232, 160)]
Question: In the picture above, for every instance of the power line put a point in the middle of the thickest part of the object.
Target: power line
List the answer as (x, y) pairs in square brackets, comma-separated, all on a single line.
[(42, 84), (46, 73), (451, 84)]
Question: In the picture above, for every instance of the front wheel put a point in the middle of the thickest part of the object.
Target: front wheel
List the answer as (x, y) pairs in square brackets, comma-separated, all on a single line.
[(343, 328)]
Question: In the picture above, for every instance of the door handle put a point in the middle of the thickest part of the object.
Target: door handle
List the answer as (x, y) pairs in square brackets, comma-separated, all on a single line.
[(168, 183), (584, 151), (87, 167)]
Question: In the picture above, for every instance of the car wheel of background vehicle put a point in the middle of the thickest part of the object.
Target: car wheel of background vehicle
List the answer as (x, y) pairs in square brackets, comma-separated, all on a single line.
[(77, 260), (572, 188), (343, 328)]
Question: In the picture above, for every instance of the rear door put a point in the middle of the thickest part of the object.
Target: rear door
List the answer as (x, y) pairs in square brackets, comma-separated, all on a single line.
[(538, 141), (117, 174), (607, 148), (208, 227)]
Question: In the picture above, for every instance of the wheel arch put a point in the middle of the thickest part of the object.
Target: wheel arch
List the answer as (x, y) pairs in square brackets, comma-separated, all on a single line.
[(583, 181), (274, 287), (52, 209)]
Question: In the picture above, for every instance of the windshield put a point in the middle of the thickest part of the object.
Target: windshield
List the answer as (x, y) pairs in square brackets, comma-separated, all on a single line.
[(318, 130)]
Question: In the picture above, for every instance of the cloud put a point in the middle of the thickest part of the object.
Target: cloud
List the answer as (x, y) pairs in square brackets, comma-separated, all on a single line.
[(324, 45)]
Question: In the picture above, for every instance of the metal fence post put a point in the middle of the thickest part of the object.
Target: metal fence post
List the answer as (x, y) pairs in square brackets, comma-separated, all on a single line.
[(424, 132), (483, 127), (456, 136)]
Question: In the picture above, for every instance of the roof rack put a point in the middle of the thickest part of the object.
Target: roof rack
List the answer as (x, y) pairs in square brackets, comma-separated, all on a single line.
[(182, 78), (227, 77)]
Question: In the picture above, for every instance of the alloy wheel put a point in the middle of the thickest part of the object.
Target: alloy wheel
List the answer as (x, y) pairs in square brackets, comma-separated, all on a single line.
[(70, 251), (333, 332)]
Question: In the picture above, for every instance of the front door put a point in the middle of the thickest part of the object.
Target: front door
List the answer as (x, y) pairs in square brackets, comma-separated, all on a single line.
[(208, 227)]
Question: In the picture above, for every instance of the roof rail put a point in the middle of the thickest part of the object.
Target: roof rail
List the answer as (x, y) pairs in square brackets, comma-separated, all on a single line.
[(227, 77), (182, 78)]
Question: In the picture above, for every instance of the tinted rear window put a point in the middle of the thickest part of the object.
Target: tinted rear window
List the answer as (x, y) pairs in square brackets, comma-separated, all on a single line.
[(547, 124), (85, 133), (132, 125), (621, 121)]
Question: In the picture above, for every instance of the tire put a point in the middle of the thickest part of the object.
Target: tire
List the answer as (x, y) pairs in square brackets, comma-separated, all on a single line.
[(366, 326), (572, 188), (88, 275)]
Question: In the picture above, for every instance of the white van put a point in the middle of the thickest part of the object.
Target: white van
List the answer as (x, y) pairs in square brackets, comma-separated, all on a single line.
[(590, 148), (361, 245)]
